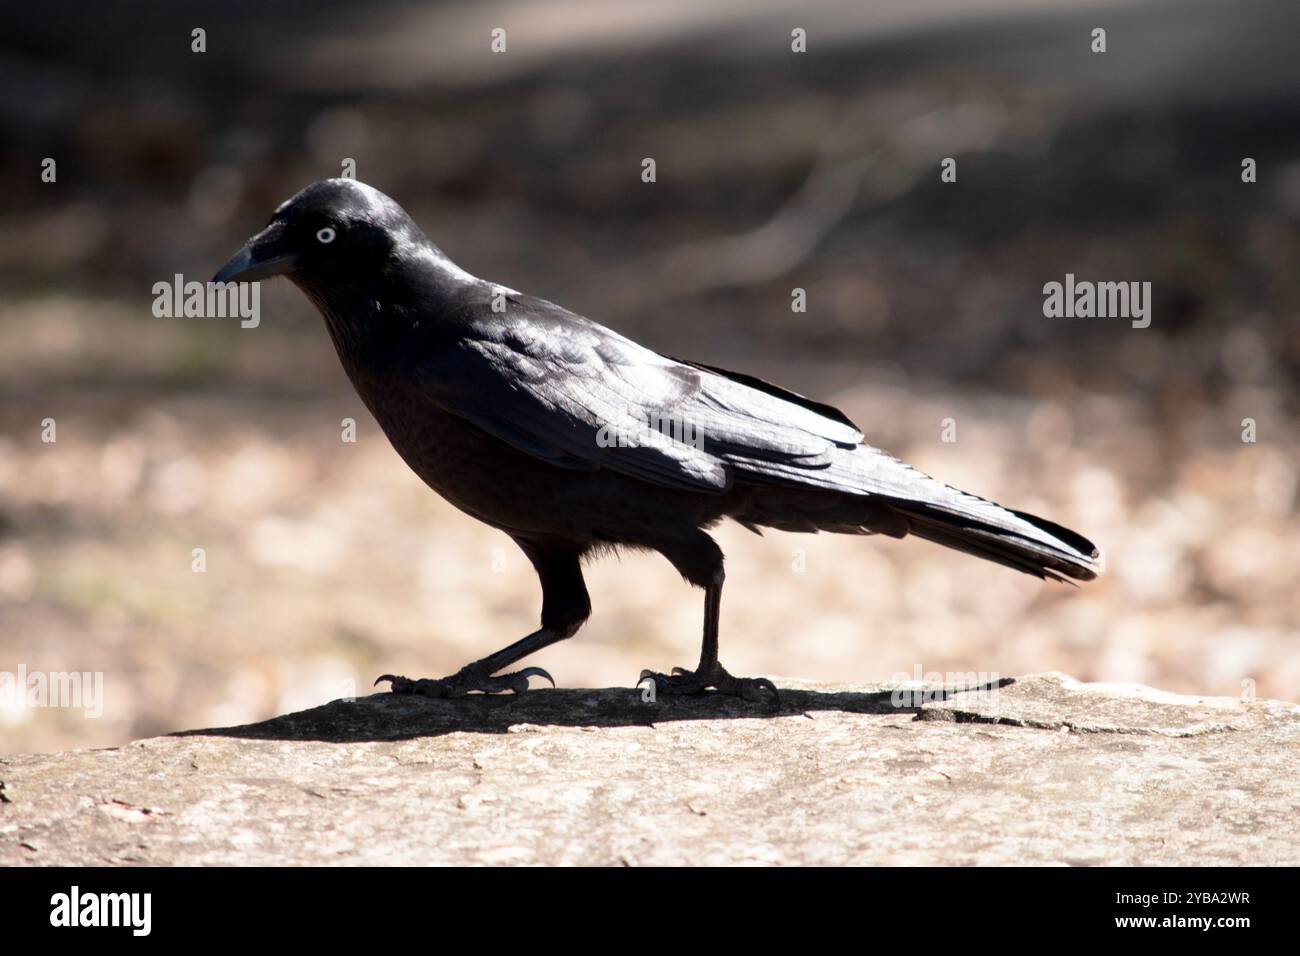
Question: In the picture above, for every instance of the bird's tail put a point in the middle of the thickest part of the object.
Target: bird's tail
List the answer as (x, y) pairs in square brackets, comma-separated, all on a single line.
[(867, 491), (1022, 541), (965, 522)]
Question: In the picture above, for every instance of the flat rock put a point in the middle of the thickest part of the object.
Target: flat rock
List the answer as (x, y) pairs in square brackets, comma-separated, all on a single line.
[(1059, 702), (1037, 770)]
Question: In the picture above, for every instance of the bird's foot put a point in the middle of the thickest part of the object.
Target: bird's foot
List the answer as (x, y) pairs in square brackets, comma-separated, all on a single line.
[(465, 681), (682, 682)]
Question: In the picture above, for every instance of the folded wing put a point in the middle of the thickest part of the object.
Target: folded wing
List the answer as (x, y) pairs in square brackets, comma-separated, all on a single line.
[(580, 396)]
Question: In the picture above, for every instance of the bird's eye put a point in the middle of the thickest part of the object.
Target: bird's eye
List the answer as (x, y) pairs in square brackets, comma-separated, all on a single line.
[(325, 235)]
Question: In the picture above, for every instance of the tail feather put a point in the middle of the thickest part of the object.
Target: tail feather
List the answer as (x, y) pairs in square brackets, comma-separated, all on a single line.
[(1075, 558), (963, 521), (864, 490)]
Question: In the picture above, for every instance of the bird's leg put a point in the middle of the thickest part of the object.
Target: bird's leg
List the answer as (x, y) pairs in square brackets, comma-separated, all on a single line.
[(710, 673), (478, 675), (565, 606)]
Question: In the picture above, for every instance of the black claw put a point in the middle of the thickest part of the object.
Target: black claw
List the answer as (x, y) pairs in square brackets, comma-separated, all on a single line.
[(765, 684), (391, 678), (528, 672)]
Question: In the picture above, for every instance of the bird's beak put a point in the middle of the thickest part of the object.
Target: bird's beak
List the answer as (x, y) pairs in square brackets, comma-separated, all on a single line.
[(263, 256)]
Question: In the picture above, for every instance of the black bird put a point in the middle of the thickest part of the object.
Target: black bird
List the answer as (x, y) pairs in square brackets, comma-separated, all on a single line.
[(575, 440)]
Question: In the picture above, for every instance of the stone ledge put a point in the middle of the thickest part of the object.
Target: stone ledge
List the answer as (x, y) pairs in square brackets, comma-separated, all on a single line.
[(1038, 770)]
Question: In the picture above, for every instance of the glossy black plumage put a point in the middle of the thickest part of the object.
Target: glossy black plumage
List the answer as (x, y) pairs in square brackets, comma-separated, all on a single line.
[(561, 432)]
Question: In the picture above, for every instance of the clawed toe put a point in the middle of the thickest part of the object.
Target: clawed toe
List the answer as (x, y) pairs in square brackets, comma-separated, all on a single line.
[(519, 679), (397, 684), (682, 682), (749, 688), (465, 682)]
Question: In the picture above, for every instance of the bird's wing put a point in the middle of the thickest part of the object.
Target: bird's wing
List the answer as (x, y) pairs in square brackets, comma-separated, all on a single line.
[(565, 390), (580, 396)]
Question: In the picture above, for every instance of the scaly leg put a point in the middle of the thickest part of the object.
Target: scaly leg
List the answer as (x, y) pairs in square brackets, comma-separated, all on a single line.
[(565, 606), (710, 673)]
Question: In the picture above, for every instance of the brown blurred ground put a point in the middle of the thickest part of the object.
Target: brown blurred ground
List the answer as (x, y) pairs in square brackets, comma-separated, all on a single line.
[(329, 563)]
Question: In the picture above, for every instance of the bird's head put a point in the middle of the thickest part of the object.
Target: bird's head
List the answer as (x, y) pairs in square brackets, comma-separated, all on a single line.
[(333, 230)]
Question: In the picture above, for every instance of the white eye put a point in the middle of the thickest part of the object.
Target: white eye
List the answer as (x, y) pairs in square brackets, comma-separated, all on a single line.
[(325, 235)]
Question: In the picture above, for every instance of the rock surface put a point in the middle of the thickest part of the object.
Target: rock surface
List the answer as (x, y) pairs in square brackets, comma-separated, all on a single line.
[(1039, 770)]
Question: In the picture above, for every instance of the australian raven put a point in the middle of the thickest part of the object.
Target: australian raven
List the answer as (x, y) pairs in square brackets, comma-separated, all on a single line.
[(573, 439)]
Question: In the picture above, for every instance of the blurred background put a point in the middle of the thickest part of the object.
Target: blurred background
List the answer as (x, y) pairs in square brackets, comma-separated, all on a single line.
[(329, 563)]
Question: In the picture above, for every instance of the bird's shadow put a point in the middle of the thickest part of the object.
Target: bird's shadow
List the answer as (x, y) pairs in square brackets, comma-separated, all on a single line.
[(388, 717)]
